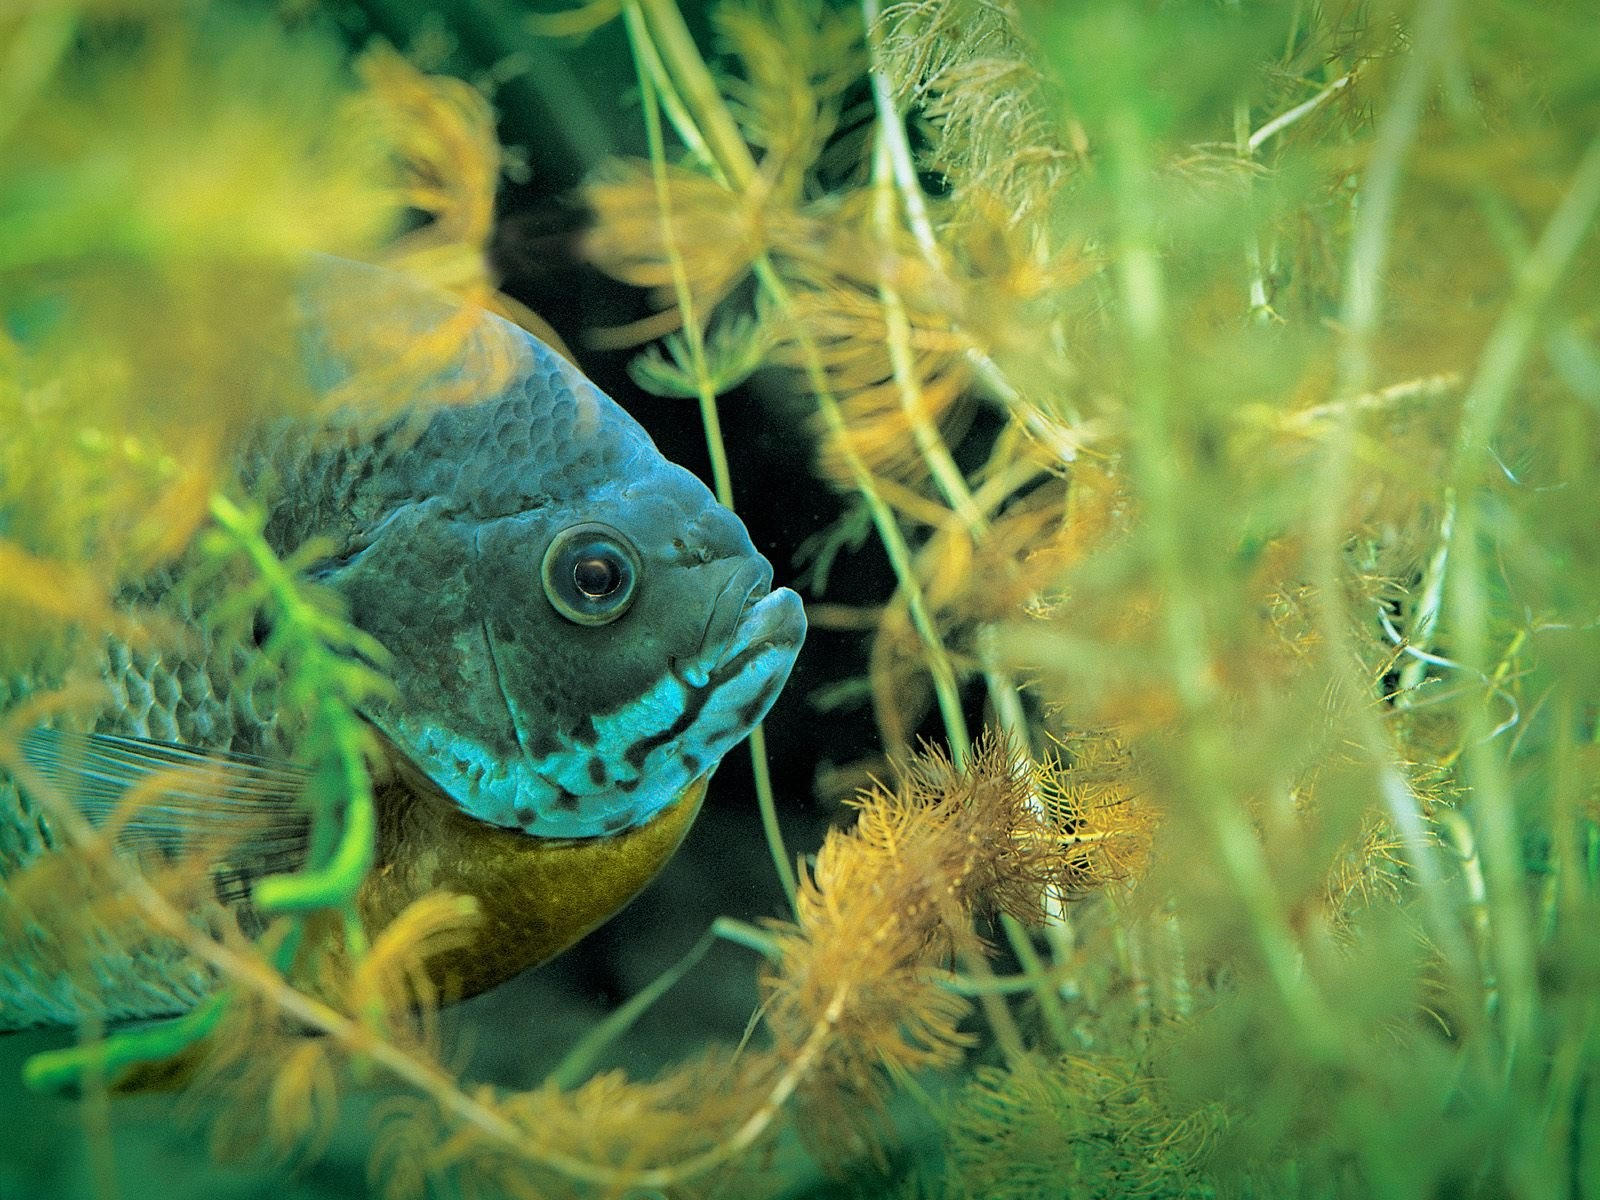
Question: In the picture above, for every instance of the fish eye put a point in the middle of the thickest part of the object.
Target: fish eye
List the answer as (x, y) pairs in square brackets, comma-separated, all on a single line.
[(589, 573)]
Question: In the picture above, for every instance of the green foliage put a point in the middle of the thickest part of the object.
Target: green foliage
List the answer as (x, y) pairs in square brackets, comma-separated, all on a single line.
[(164, 176), (1082, 1125), (323, 662), (731, 355)]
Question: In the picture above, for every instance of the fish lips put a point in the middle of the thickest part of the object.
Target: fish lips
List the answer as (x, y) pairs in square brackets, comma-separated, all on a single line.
[(773, 625), (749, 671), (748, 585), (749, 647)]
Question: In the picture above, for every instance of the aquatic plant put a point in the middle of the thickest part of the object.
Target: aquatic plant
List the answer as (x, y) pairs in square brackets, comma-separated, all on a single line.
[(1219, 383)]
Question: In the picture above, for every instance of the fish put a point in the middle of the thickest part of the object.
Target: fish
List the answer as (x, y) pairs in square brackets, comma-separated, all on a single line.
[(576, 633)]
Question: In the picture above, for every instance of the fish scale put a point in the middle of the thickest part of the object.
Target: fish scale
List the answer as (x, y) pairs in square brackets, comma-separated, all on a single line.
[(545, 747), (146, 697)]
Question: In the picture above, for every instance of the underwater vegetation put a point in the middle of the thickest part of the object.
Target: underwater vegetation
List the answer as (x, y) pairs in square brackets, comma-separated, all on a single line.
[(1203, 404)]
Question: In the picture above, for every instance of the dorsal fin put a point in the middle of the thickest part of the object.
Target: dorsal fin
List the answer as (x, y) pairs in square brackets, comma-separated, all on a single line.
[(175, 800)]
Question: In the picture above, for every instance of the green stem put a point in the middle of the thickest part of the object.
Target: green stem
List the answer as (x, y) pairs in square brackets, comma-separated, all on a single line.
[(706, 122), (1424, 620), (699, 89), (1039, 981), (639, 39), (1259, 309), (1282, 121), (742, 933), (578, 1063), (1493, 808), (892, 131), (996, 1011), (1202, 741), (893, 170), (766, 803), (904, 171), (672, 104), (53, 1070), (939, 666), (935, 454), (693, 334), (1361, 309), (334, 882)]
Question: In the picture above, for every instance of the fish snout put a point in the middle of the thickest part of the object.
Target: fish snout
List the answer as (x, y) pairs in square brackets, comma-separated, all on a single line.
[(775, 622), (748, 581)]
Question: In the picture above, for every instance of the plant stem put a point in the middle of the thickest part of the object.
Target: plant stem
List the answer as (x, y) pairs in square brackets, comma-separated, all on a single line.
[(904, 171), (1203, 744), (333, 882), (682, 59), (639, 37), (935, 454), (1361, 309), (52, 1070), (1283, 120), (645, 54), (578, 1063), (1494, 815), (883, 519), (1042, 981)]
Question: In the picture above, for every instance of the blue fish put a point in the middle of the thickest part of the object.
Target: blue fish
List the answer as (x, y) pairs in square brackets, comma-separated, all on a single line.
[(578, 633)]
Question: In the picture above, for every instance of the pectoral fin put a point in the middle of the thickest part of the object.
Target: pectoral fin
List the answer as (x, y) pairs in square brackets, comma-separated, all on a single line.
[(242, 811)]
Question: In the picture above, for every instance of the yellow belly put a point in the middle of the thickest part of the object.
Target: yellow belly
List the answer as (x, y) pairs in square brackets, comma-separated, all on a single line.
[(536, 896)]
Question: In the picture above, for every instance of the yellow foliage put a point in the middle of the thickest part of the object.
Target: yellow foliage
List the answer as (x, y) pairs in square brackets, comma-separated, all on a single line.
[(389, 985), (894, 897)]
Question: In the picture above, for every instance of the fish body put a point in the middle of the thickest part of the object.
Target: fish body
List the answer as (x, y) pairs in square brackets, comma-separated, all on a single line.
[(577, 634)]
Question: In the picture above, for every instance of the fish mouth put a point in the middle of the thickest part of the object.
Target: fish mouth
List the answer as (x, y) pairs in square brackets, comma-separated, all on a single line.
[(774, 623), (748, 585)]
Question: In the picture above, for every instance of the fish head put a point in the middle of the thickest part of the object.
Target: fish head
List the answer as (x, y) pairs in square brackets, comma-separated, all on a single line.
[(579, 630)]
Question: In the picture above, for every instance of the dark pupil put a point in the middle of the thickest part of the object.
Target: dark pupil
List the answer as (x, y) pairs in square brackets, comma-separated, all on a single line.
[(596, 576)]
